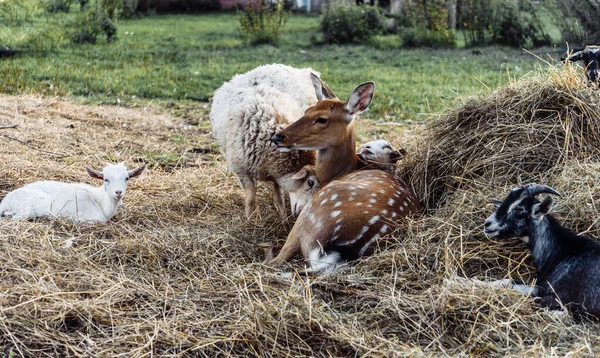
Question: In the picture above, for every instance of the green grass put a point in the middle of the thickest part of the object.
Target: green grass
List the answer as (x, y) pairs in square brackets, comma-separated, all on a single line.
[(180, 58)]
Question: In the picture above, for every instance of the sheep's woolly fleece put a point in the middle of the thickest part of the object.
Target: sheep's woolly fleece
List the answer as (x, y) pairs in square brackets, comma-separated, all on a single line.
[(250, 108), (177, 272)]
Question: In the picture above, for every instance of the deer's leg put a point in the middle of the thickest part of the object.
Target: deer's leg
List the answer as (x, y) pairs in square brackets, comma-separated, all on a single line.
[(289, 249), (249, 187), (279, 199)]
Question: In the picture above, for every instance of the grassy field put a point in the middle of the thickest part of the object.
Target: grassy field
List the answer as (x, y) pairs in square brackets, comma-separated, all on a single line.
[(185, 58)]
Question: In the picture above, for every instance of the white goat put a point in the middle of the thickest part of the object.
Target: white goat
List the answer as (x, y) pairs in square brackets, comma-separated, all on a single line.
[(75, 201)]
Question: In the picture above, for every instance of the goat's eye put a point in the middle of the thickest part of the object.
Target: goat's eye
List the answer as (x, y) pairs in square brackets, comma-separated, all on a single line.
[(311, 183), (321, 120), (518, 209), (106, 180), (126, 179)]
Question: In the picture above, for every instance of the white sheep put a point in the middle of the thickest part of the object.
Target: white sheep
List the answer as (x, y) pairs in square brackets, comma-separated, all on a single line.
[(75, 201), (246, 112)]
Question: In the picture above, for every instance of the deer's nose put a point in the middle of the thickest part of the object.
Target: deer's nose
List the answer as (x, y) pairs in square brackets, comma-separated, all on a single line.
[(277, 138)]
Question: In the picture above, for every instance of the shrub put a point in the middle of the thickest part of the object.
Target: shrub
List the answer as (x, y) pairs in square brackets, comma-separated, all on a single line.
[(90, 24), (346, 23), (425, 23), (502, 22), (263, 23), (416, 37), (55, 6), (578, 20)]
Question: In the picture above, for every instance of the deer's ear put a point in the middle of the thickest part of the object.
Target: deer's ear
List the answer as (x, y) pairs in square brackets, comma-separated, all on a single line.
[(360, 98), (321, 89)]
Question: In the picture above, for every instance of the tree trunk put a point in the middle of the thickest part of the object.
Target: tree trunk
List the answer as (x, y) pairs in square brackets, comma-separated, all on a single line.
[(452, 14)]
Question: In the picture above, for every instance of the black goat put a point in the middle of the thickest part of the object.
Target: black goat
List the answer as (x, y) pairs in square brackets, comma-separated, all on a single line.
[(590, 56), (568, 265)]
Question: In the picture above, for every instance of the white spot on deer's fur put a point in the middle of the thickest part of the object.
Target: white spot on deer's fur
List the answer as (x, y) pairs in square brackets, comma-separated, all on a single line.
[(337, 228), (351, 198), (336, 213), (324, 201), (353, 193), (381, 191), (404, 203), (384, 212), (338, 204), (384, 229), (391, 202), (338, 221), (394, 214), (333, 197), (373, 201), (401, 209), (374, 219), (373, 194), (359, 204), (352, 187)]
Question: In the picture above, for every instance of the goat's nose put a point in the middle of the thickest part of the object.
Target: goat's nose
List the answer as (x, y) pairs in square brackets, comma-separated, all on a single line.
[(118, 192), (367, 147), (277, 138)]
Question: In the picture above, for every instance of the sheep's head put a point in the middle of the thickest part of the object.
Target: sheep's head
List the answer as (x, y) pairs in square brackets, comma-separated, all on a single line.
[(381, 151), (115, 177), (304, 185), (514, 216), (590, 57)]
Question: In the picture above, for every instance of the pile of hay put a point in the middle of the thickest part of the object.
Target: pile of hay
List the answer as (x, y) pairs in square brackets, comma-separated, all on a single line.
[(177, 272), (513, 135)]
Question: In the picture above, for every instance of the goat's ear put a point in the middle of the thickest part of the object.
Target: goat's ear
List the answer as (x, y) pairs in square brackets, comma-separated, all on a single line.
[(397, 155), (301, 174), (543, 208), (321, 89), (94, 173), (497, 203), (360, 98), (577, 56), (137, 171)]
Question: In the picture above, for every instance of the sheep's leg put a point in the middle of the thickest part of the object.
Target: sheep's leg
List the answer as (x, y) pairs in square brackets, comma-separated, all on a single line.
[(249, 187), (279, 199)]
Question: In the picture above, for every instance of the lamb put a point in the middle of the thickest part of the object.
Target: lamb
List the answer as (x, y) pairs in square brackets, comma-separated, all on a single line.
[(246, 112), (568, 265), (76, 201), (380, 151)]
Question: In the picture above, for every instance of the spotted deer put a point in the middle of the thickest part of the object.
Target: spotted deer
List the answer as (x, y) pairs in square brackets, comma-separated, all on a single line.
[(355, 208)]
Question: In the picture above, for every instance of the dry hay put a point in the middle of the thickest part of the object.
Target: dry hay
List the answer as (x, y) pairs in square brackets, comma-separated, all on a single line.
[(177, 271), (510, 136)]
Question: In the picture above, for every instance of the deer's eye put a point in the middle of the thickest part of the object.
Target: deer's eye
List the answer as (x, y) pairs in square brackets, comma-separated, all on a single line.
[(321, 120), (311, 183)]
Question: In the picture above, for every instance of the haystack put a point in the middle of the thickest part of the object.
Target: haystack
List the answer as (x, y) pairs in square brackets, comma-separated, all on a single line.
[(177, 271), (513, 135)]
